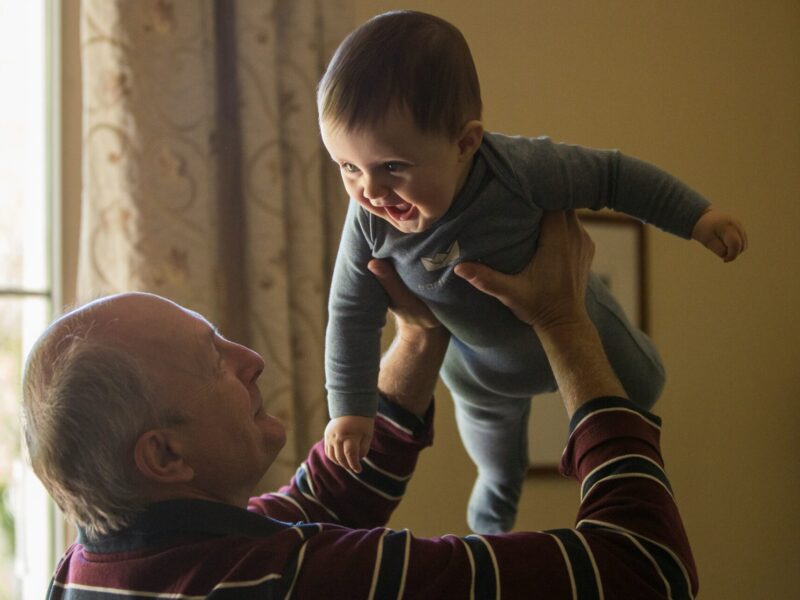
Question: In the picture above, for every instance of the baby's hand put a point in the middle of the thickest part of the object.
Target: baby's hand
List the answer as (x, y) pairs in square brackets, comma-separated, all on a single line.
[(347, 440), (721, 233)]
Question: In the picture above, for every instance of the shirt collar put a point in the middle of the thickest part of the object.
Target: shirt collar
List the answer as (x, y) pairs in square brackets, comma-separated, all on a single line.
[(163, 522)]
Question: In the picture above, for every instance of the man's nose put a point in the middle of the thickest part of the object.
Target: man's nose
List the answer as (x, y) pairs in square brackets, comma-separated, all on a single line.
[(249, 363)]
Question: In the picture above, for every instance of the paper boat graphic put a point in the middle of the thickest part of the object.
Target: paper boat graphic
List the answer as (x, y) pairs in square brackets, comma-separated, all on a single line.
[(441, 260)]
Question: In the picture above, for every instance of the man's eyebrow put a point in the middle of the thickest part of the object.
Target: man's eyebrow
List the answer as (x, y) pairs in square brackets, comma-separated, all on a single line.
[(213, 329)]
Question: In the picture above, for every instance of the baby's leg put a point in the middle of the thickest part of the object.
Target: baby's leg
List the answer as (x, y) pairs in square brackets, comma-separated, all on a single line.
[(630, 351), (496, 439), (494, 431)]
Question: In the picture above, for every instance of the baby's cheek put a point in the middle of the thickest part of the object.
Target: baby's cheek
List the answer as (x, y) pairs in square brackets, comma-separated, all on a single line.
[(375, 210)]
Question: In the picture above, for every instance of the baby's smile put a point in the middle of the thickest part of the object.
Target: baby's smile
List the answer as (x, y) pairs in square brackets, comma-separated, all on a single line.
[(402, 211)]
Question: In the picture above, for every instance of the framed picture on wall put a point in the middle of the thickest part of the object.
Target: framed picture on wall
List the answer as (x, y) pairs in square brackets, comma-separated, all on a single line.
[(620, 262)]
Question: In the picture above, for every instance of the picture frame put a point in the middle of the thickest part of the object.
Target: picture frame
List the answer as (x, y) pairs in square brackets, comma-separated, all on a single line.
[(620, 260)]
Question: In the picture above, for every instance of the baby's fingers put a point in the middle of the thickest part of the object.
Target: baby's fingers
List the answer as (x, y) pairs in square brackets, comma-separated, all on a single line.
[(351, 450), (733, 244), (717, 246), (330, 452), (735, 239), (339, 455)]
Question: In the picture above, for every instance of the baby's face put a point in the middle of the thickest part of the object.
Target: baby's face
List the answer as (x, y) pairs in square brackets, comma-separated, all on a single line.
[(398, 173)]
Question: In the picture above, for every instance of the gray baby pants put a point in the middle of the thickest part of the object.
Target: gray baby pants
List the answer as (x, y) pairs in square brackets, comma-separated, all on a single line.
[(493, 426)]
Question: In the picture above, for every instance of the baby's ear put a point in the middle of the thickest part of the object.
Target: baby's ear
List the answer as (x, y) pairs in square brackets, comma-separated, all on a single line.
[(469, 140)]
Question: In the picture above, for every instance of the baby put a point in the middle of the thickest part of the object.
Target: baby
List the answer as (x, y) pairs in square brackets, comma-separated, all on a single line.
[(400, 113)]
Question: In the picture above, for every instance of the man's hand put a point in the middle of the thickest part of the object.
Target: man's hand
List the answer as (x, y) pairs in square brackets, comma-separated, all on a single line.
[(347, 440), (549, 294), (550, 290), (409, 311), (721, 233), (410, 367)]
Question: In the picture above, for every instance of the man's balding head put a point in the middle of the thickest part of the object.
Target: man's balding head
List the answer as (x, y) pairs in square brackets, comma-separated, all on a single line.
[(120, 399)]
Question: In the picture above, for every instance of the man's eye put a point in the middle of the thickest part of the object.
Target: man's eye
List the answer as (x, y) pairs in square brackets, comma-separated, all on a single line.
[(349, 167)]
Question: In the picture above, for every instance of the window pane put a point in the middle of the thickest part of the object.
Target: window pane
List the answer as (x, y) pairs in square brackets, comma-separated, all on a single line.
[(21, 321), (23, 164)]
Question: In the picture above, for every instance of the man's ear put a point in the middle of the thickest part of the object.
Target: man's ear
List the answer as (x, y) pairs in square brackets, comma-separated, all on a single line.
[(158, 458), (469, 140)]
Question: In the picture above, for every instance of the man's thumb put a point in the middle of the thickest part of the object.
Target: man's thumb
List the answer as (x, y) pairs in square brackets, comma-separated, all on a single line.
[(480, 276)]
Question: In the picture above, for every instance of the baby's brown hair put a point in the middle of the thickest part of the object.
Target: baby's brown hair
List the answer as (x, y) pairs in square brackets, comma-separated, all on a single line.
[(406, 60)]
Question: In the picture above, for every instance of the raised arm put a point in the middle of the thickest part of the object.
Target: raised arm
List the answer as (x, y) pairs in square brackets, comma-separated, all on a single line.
[(324, 491), (629, 539), (410, 367), (628, 542)]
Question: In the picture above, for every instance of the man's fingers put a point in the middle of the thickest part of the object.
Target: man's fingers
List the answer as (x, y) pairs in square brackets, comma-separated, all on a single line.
[(388, 278), (555, 225), (481, 277)]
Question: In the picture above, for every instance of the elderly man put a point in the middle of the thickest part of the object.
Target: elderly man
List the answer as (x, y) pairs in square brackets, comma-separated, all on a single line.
[(147, 427)]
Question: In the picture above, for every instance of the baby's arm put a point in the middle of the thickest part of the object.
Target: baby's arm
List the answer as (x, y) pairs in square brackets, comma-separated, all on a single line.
[(404, 379), (356, 315), (347, 440), (721, 233)]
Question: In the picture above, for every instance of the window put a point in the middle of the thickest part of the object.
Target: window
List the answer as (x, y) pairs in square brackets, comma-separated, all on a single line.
[(28, 184)]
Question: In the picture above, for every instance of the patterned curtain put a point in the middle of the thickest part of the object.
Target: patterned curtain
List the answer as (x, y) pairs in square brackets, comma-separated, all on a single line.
[(205, 180)]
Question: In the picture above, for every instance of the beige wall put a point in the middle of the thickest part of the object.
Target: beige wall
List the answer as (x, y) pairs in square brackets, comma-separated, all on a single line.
[(710, 91)]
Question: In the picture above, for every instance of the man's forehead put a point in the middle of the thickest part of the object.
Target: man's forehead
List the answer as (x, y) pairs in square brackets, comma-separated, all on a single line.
[(165, 334), (142, 316)]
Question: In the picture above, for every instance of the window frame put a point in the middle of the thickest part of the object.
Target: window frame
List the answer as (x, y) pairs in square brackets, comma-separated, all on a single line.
[(38, 546)]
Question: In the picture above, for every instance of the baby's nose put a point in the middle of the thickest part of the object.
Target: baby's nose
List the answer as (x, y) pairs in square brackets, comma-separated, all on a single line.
[(375, 190)]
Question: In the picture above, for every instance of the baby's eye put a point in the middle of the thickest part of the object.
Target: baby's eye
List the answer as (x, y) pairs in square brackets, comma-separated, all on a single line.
[(394, 167), (349, 168)]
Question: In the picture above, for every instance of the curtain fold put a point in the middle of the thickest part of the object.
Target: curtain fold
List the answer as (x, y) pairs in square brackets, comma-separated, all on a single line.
[(205, 180)]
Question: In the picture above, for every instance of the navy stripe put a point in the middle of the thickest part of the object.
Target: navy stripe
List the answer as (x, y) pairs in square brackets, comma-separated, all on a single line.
[(393, 411), (281, 587), (582, 570), (670, 568), (382, 482), (301, 480), (669, 565), (485, 577), (607, 402), (390, 571), (627, 465)]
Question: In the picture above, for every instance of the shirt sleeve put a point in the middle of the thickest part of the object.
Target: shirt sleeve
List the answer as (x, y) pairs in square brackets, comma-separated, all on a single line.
[(561, 176), (629, 541), (324, 492), (356, 315)]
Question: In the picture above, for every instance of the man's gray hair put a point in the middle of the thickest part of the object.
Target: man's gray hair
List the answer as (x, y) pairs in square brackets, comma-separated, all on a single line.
[(86, 400)]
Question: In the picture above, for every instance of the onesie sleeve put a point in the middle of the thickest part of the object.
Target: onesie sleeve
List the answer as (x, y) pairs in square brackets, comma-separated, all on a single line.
[(563, 176), (356, 315)]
